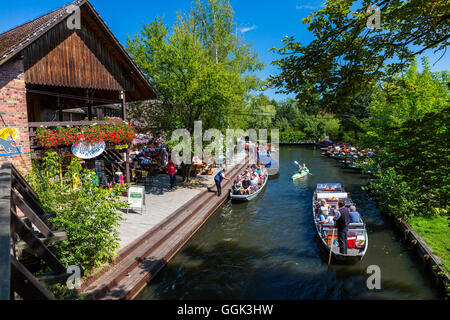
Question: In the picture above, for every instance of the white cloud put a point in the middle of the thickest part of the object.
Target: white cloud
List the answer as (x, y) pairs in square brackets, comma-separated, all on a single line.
[(308, 7), (247, 29)]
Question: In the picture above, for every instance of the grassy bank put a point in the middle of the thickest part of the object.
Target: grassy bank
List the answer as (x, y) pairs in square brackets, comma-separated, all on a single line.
[(435, 232)]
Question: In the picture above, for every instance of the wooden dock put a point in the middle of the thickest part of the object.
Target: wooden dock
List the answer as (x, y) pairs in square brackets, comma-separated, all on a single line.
[(141, 260)]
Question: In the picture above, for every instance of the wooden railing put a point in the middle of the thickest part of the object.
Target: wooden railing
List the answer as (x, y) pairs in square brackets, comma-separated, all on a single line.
[(25, 229)]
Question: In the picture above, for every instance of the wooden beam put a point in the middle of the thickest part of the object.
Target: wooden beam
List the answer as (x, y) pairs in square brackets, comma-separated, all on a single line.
[(25, 284), (5, 231), (38, 247), (30, 214), (70, 123)]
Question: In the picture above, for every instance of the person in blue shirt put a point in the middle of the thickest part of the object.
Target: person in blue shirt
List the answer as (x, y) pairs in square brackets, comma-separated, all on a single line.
[(220, 176)]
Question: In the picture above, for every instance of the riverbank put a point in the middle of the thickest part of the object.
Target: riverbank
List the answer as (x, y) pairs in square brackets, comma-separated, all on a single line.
[(152, 248), (429, 238)]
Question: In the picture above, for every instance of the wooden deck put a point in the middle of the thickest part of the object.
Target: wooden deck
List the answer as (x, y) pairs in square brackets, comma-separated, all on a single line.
[(142, 259)]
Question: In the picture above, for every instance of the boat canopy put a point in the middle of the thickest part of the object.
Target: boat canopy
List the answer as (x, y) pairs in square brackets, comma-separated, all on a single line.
[(328, 195)]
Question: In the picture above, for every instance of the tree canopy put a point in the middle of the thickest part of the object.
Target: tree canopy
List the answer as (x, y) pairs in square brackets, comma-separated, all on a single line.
[(347, 57), (200, 68)]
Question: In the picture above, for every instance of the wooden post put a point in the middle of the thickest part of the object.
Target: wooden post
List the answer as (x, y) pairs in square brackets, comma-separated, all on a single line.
[(127, 156), (89, 105), (61, 115)]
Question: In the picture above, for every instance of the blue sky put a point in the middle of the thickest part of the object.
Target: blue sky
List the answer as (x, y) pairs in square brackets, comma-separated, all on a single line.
[(263, 23)]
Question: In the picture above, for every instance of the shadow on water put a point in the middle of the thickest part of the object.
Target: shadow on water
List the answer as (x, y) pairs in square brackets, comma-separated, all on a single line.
[(265, 249)]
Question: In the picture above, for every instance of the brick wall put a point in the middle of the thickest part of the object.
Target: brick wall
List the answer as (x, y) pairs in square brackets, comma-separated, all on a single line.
[(13, 112)]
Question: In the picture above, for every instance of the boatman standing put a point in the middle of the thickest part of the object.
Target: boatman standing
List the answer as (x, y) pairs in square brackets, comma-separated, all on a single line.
[(218, 180), (342, 218)]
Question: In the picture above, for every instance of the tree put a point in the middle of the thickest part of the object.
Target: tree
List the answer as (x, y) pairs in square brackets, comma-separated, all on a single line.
[(261, 112), (402, 98), (201, 70), (347, 58)]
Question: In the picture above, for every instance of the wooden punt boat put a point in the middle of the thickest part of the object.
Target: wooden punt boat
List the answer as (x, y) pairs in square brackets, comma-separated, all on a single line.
[(332, 193), (248, 197), (299, 175)]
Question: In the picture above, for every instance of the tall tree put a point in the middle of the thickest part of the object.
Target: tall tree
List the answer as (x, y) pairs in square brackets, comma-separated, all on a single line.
[(201, 70)]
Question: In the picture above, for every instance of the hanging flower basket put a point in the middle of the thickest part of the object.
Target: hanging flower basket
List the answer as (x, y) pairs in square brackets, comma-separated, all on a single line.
[(111, 134)]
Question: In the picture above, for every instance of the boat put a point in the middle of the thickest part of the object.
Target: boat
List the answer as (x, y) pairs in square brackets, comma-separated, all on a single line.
[(357, 234), (248, 197), (299, 175)]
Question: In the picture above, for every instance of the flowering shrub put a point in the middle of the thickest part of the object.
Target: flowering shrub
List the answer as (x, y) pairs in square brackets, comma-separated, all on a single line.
[(111, 134)]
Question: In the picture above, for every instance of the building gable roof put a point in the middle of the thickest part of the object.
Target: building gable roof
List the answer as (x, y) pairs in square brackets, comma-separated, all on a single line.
[(14, 41)]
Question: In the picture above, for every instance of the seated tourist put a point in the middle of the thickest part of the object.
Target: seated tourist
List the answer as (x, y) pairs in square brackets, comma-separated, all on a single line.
[(324, 209), (237, 188), (246, 185), (354, 215)]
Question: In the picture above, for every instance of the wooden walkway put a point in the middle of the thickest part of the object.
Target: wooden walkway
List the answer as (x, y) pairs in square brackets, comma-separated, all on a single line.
[(142, 259)]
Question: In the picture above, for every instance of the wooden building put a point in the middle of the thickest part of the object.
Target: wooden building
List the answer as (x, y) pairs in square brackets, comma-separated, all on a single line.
[(66, 60)]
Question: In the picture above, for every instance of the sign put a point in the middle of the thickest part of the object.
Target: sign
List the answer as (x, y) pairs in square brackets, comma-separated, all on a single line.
[(8, 142), (84, 150), (136, 197), (121, 147), (337, 195)]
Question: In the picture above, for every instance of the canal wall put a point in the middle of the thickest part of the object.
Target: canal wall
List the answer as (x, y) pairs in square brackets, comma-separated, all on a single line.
[(139, 262), (430, 262)]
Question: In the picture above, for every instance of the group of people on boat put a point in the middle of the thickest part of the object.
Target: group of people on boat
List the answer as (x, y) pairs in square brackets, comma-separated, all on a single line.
[(325, 214), (250, 180)]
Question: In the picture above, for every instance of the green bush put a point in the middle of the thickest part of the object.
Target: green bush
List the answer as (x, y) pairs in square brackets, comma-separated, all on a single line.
[(292, 136), (89, 214)]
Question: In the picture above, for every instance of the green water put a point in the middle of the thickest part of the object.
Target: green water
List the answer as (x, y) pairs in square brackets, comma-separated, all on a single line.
[(267, 248)]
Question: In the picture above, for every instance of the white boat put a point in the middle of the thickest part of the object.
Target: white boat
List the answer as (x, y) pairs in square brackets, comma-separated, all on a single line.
[(332, 193), (248, 197)]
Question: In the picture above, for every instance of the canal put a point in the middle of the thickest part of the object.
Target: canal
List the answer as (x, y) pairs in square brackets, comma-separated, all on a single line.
[(267, 248)]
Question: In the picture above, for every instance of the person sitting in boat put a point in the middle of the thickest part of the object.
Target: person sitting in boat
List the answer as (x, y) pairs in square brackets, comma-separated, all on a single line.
[(354, 215), (254, 182), (324, 209), (246, 185)]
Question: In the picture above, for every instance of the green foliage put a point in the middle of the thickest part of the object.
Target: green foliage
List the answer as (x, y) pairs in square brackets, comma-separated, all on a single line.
[(292, 136), (416, 176), (89, 214), (200, 68), (434, 230), (347, 58), (404, 97)]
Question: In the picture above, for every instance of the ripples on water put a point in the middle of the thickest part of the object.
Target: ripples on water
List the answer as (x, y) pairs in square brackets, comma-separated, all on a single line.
[(267, 248)]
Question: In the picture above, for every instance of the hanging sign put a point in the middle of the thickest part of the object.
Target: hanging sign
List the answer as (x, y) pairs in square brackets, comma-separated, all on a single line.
[(121, 147), (9, 139), (84, 150)]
